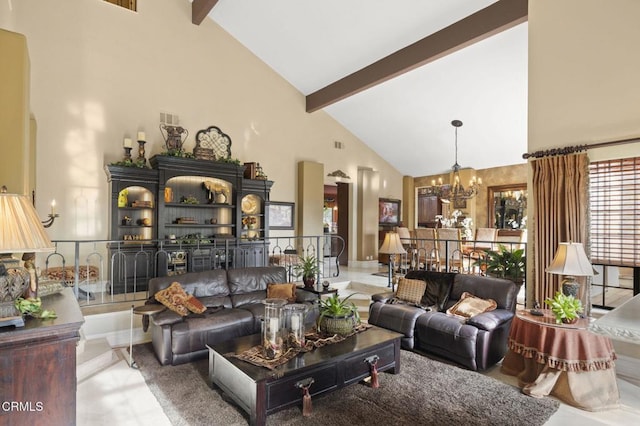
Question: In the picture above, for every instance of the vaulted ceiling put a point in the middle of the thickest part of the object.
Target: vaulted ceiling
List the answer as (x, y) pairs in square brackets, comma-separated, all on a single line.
[(397, 73)]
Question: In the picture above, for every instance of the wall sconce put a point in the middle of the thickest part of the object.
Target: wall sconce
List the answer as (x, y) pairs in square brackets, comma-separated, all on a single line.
[(52, 216)]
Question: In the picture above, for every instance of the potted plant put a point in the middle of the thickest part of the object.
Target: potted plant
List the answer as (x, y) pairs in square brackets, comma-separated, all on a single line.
[(504, 263), (566, 309), (307, 268), (337, 316)]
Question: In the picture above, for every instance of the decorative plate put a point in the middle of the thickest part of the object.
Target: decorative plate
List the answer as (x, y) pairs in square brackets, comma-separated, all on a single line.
[(249, 205)]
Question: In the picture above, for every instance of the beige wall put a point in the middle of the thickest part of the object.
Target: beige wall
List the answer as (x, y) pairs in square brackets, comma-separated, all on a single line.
[(100, 73), (583, 74)]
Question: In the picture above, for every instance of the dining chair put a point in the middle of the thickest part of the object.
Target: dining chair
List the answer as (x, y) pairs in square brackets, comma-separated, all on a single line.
[(450, 249), (511, 239), (425, 249)]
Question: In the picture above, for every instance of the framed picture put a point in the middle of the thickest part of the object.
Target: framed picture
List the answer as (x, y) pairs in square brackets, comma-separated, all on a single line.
[(280, 215), (459, 203), (388, 212)]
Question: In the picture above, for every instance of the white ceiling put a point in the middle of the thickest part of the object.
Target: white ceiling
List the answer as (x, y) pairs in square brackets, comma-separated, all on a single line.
[(406, 120)]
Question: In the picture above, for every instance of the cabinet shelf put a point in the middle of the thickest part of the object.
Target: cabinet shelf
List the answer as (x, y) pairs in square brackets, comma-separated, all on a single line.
[(201, 206), (134, 226), (135, 208)]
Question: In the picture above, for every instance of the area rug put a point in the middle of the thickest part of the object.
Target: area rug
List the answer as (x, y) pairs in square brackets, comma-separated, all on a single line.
[(425, 392)]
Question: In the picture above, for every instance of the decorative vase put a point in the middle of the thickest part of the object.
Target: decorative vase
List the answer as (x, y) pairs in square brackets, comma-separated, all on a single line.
[(342, 326), (569, 320), (309, 282)]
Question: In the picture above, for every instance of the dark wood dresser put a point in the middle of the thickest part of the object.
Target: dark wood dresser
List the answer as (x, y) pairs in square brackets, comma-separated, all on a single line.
[(38, 366)]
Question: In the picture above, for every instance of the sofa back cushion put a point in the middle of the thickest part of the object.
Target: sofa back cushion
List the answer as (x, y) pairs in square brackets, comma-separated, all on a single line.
[(504, 292), (246, 280), (199, 284), (438, 287)]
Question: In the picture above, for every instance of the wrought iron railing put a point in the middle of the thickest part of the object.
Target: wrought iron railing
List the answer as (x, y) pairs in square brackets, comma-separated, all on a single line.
[(106, 271)]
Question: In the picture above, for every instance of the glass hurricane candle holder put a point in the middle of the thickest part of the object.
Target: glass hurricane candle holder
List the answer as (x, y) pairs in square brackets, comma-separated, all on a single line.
[(272, 344), (294, 325)]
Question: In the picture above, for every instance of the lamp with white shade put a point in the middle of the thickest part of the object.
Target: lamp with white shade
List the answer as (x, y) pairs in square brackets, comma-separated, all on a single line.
[(21, 231), (392, 246), (571, 261)]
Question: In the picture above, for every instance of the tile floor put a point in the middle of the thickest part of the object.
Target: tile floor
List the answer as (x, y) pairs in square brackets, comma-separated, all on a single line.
[(119, 396)]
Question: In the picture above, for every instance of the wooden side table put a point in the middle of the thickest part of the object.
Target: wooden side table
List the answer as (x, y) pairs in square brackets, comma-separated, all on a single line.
[(563, 360), (140, 310)]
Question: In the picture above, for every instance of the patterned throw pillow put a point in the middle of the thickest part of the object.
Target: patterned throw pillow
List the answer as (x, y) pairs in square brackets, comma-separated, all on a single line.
[(282, 291), (175, 298), (470, 305), (194, 305), (410, 291)]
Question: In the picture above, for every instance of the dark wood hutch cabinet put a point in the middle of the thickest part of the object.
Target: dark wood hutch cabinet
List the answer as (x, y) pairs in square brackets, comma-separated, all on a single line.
[(187, 212), (429, 205)]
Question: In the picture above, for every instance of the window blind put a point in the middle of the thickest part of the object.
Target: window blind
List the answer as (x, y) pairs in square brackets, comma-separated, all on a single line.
[(615, 211)]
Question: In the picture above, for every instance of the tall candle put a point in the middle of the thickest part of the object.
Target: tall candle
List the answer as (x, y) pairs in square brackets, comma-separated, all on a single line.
[(53, 207), (273, 324), (127, 143), (295, 323), (141, 136)]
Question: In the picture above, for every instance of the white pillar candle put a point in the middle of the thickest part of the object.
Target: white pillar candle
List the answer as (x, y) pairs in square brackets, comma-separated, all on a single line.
[(295, 323), (273, 324), (127, 143), (53, 207), (141, 136)]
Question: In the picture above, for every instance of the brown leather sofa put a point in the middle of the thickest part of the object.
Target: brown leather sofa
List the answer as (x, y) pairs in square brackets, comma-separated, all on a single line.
[(233, 299), (476, 343)]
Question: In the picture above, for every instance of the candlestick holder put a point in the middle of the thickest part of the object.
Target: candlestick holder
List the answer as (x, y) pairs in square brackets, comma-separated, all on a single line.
[(141, 157), (127, 153), (271, 330), (294, 325)]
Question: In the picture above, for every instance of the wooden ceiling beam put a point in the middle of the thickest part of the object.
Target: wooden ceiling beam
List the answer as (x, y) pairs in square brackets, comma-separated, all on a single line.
[(489, 21), (200, 9)]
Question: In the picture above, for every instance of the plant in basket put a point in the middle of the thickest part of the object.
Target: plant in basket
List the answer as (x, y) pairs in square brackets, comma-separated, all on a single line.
[(337, 316)]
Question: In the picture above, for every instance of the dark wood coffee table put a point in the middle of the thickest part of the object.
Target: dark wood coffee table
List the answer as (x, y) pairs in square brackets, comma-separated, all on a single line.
[(260, 391)]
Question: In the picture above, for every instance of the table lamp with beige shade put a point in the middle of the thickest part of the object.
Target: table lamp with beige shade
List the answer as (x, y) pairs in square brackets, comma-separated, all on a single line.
[(392, 245), (571, 261), (21, 231)]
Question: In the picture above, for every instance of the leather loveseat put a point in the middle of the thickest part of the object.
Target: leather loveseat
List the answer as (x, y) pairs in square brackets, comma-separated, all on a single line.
[(476, 343), (233, 299)]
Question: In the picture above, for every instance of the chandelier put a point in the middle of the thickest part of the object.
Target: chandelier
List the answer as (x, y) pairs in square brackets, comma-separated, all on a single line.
[(457, 191)]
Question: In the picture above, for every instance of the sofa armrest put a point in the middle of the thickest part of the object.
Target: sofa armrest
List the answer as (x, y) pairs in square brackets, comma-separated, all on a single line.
[(166, 317), (382, 297), (491, 320)]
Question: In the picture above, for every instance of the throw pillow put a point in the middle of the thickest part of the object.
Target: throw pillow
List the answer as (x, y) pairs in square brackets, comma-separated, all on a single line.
[(410, 290), (194, 305), (174, 298), (282, 291), (470, 305)]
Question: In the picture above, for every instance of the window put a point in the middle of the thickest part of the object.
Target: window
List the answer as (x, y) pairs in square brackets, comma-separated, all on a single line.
[(615, 212)]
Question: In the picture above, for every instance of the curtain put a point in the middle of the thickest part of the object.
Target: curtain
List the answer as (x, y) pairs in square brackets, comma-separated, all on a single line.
[(561, 200)]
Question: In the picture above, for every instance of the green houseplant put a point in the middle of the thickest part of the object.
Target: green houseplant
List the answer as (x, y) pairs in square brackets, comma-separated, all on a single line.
[(566, 309), (337, 316), (307, 268), (505, 263)]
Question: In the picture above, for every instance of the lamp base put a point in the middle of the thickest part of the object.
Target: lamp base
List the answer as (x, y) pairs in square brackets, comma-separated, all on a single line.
[(570, 287)]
